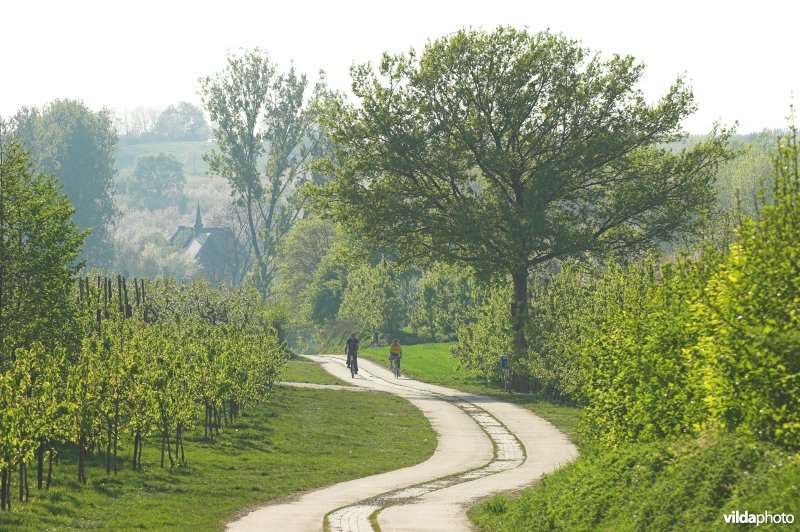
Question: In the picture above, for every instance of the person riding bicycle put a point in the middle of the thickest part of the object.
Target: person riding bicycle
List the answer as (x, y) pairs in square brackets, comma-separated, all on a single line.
[(395, 354), (351, 348)]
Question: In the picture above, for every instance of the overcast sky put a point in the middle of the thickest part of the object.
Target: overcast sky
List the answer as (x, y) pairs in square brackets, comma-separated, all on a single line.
[(740, 57)]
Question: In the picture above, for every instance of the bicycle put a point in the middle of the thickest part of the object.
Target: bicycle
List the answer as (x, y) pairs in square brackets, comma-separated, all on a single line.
[(394, 365), (353, 365)]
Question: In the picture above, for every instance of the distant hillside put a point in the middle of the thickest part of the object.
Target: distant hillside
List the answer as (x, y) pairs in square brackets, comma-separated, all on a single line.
[(188, 152)]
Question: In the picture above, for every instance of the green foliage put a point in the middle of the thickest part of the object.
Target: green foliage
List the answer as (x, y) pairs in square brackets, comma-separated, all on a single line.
[(435, 159), (39, 247), (741, 181), (298, 441), (482, 343), (372, 300), (557, 156), (672, 349), (29, 402), (660, 350), (300, 258), (326, 290), (748, 317), (260, 112), (664, 485), (443, 300), (157, 181), (182, 122), (637, 378), (151, 356), (555, 329), (77, 146)]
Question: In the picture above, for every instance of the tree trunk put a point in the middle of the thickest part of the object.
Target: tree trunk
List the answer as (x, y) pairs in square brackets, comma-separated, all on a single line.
[(81, 459), (49, 466), (109, 432), (4, 490), (40, 465), (519, 312), (262, 266), (135, 448), (139, 456), (177, 439), (116, 428)]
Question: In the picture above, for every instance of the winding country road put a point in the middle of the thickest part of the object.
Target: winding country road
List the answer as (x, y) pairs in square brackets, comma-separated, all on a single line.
[(485, 446)]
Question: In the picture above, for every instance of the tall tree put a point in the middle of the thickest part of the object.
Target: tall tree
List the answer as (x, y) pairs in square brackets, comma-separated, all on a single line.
[(39, 246), (504, 150), (77, 146), (267, 134)]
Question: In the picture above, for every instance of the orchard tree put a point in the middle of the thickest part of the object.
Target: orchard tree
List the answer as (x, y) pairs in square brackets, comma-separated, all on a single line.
[(504, 150), (267, 134), (77, 146)]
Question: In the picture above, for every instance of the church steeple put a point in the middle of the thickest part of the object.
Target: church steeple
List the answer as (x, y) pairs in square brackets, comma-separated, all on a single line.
[(198, 222)]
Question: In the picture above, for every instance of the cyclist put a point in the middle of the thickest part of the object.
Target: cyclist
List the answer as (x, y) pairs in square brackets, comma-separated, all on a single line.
[(351, 348), (395, 354)]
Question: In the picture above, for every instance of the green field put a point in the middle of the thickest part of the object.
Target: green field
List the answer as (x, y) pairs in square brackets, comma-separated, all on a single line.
[(299, 440), (187, 152), (433, 363)]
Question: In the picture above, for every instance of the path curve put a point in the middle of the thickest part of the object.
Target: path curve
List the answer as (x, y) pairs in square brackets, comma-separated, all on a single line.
[(485, 446)]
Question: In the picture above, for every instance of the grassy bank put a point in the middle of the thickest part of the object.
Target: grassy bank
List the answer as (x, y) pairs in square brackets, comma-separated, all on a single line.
[(300, 439), (686, 485), (433, 363), (303, 370)]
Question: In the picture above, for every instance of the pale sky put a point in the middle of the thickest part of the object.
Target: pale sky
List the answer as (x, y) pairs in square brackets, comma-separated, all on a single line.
[(741, 57)]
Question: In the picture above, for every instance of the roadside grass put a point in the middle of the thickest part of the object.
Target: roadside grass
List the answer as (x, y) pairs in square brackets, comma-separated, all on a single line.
[(304, 370), (300, 439), (689, 484), (434, 364)]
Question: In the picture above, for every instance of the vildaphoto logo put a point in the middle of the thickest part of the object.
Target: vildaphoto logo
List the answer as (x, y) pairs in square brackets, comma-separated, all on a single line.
[(746, 518)]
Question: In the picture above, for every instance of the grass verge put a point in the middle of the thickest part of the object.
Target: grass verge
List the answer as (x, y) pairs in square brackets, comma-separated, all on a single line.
[(299, 440), (433, 363), (689, 484), (303, 370)]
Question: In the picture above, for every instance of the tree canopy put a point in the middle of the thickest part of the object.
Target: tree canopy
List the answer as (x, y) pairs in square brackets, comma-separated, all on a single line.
[(158, 180), (39, 246), (185, 121), (503, 150), (77, 146), (267, 134)]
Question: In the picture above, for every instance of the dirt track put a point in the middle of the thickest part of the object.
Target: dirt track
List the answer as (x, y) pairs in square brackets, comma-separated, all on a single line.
[(485, 446)]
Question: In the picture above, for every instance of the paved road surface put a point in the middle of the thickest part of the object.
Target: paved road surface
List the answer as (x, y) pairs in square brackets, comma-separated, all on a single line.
[(485, 446)]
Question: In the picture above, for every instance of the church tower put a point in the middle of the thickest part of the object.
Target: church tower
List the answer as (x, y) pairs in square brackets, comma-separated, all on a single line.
[(198, 223)]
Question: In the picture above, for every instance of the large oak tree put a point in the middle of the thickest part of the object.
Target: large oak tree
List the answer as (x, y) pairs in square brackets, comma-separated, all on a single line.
[(504, 150)]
